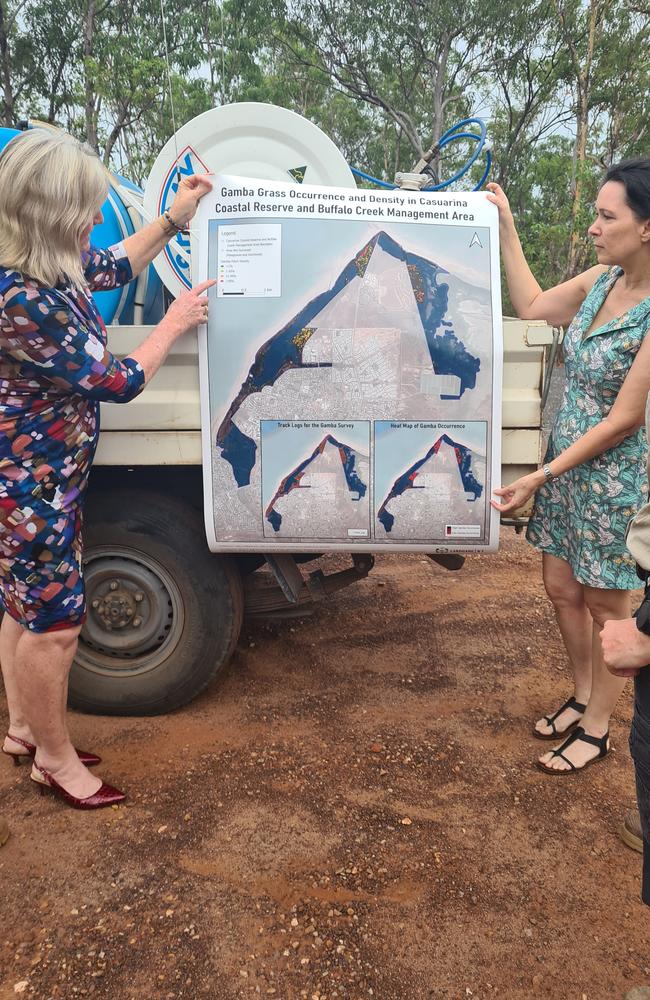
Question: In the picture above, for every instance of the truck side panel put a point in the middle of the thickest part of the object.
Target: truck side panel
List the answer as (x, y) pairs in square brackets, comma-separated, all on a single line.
[(162, 426)]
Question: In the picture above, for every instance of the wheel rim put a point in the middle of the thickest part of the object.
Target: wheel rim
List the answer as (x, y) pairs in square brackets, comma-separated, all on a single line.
[(136, 612)]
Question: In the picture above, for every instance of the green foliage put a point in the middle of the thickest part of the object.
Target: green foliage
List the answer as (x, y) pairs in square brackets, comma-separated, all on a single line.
[(382, 79)]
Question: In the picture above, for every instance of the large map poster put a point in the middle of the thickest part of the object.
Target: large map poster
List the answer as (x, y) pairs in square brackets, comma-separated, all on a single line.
[(350, 369)]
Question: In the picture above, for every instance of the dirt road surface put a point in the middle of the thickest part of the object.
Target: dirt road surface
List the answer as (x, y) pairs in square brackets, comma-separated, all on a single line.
[(351, 812)]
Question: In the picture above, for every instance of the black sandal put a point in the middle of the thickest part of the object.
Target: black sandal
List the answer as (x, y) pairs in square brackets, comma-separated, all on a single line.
[(550, 720), (578, 734)]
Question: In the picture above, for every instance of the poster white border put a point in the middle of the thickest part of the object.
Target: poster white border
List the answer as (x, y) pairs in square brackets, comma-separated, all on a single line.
[(410, 200)]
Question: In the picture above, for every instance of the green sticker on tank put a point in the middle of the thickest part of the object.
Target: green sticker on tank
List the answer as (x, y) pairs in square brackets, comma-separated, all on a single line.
[(298, 173)]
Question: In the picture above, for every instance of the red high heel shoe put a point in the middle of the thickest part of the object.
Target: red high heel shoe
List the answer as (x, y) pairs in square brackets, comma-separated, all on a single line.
[(89, 759), (105, 795)]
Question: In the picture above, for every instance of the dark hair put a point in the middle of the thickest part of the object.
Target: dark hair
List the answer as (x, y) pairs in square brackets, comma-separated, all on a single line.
[(634, 175)]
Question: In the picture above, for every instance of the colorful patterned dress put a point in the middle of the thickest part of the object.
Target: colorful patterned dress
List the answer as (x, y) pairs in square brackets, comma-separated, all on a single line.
[(582, 516), (54, 371)]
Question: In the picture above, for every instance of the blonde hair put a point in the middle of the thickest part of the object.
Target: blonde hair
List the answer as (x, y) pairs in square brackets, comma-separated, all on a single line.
[(51, 186)]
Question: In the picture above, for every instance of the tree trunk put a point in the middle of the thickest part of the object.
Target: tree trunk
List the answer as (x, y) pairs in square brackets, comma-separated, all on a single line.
[(583, 91), (440, 73), (90, 108), (209, 49), (5, 57), (118, 126)]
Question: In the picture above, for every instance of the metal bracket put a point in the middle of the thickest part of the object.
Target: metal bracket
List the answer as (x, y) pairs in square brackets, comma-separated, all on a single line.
[(558, 337), (540, 334), (518, 523), (412, 181), (293, 595), (320, 586), (448, 560), (286, 572)]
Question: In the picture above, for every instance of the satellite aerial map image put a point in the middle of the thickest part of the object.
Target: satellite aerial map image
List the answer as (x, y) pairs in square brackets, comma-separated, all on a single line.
[(441, 494), (326, 493)]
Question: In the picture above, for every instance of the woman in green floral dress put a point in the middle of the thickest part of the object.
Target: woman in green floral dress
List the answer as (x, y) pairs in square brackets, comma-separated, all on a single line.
[(592, 481)]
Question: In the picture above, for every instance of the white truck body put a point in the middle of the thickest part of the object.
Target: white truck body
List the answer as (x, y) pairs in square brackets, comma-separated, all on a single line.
[(164, 613), (163, 426)]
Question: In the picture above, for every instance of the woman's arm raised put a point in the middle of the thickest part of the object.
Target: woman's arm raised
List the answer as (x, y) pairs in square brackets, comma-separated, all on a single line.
[(558, 305), (143, 246), (625, 417)]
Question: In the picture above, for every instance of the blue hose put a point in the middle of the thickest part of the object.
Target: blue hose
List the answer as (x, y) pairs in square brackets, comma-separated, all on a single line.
[(452, 134), (486, 172), (373, 180)]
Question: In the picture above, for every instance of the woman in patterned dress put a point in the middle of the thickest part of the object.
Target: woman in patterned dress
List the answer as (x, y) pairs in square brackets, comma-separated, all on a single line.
[(55, 368), (592, 482)]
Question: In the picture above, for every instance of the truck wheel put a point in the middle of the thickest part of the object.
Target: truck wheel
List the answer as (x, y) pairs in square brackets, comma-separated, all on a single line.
[(164, 613)]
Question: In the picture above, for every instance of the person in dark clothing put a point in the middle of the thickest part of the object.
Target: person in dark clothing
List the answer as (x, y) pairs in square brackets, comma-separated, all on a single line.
[(626, 651)]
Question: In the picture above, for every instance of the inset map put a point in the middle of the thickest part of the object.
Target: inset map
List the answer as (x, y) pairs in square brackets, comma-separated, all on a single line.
[(430, 481), (315, 479)]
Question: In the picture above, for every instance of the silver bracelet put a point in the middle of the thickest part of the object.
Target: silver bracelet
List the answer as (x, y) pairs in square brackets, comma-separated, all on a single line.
[(546, 469)]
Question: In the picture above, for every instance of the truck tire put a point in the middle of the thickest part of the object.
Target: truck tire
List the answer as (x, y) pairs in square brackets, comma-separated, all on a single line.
[(164, 613)]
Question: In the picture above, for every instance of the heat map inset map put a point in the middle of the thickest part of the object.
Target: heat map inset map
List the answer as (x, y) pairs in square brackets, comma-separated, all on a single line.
[(439, 495)]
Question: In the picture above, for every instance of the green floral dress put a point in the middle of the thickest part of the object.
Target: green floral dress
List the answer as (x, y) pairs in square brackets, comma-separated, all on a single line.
[(582, 516)]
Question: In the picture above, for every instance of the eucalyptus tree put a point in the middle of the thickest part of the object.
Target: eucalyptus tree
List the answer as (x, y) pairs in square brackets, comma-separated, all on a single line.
[(421, 66), (19, 61), (606, 44)]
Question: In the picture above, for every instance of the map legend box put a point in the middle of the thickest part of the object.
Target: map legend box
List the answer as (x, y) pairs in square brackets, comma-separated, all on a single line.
[(250, 261)]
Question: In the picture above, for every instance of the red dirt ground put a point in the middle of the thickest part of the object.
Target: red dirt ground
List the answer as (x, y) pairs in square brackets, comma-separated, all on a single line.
[(350, 812)]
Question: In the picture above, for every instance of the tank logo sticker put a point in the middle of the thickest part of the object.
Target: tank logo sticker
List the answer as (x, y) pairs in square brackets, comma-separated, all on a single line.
[(177, 250)]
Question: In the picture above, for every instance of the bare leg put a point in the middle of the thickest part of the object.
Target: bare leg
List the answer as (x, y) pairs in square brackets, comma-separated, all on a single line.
[(42, 664), (575, 624), (10, 633), (606, 689)]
